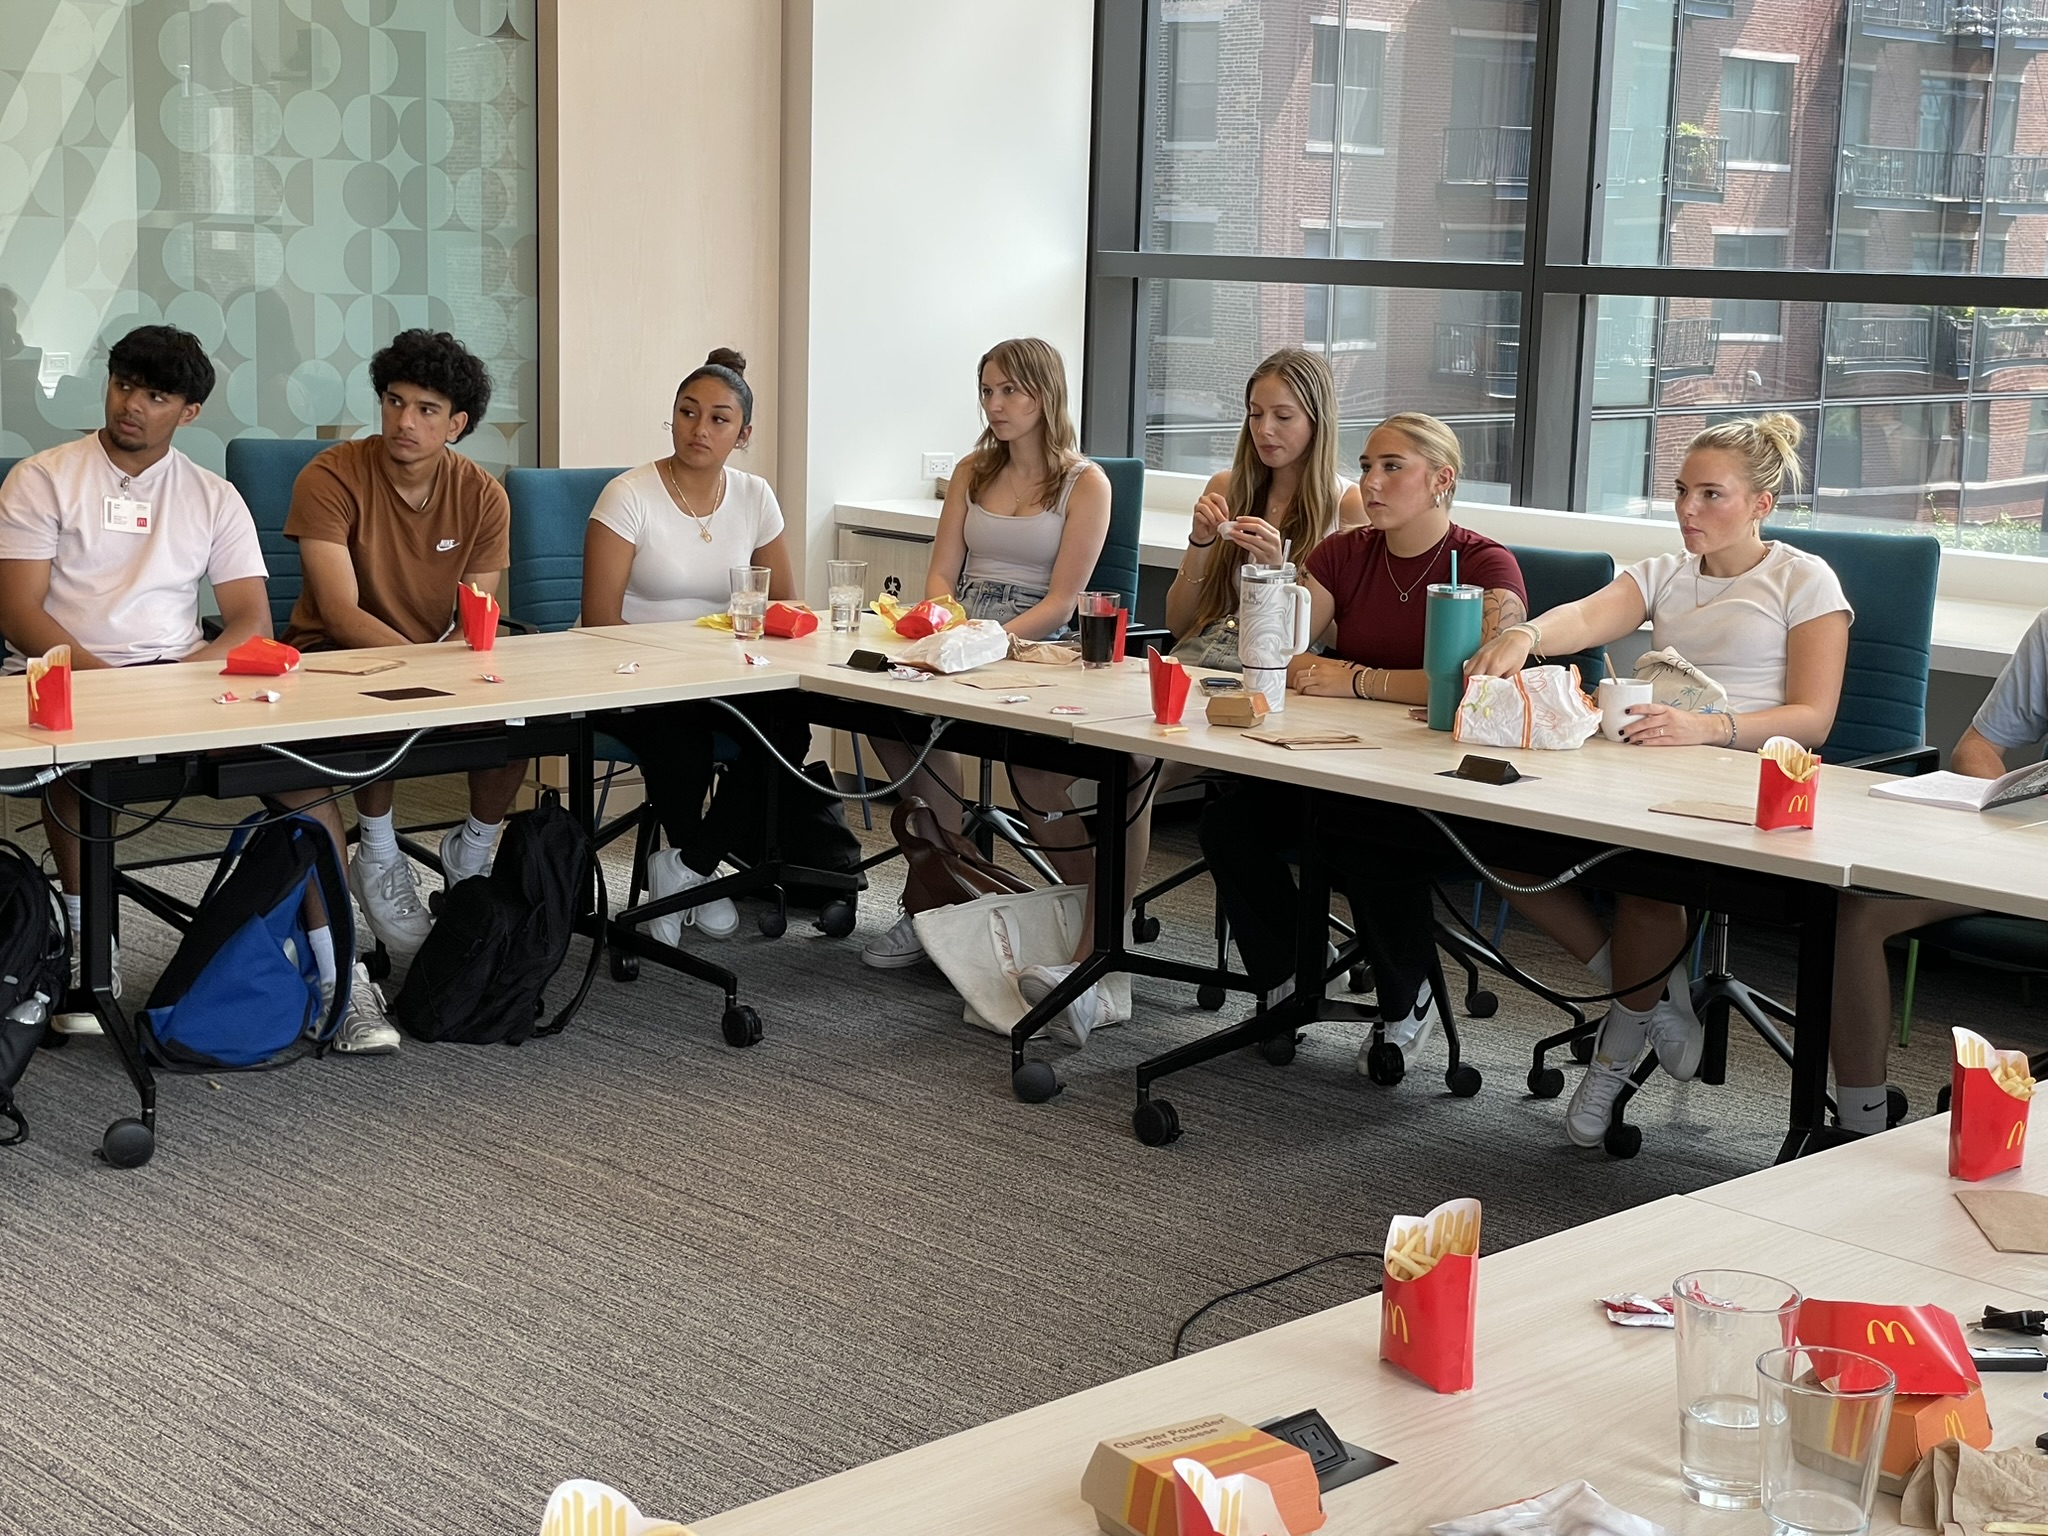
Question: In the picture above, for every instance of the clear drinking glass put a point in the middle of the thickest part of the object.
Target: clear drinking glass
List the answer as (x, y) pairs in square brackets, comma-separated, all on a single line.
[(1726, 1318), (1825, 1413), (749, 607), (1098, 628), (845, 591)]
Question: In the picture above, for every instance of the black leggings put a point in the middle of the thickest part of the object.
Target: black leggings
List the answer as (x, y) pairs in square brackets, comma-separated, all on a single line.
[(1251, 836), (675, 746)]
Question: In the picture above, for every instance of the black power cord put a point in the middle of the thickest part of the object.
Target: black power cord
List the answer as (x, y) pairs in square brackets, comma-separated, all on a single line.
[(1180, 1334)]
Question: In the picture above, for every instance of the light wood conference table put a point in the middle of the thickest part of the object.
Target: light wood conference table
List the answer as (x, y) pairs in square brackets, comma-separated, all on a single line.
[(1998, 860), (24, 747), (1892, 1194), (148, 711), (1560, 1393)]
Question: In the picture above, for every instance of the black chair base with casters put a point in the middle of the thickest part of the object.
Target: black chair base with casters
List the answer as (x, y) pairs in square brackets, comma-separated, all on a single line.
[(1275, 1031), (628, 942)]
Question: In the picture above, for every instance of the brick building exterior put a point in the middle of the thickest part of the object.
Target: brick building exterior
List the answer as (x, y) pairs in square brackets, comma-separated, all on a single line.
[(1885, 135)]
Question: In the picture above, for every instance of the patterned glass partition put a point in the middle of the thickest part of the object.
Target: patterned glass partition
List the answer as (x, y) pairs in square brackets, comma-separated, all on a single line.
[(291, 180)]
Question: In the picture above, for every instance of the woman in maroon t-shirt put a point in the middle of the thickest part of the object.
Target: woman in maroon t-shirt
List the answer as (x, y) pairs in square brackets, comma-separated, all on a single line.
[(1367, 590), (1368, 586)]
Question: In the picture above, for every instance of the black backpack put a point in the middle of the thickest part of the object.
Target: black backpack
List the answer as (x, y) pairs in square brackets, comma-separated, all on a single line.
[(35, 952), (482, 975)]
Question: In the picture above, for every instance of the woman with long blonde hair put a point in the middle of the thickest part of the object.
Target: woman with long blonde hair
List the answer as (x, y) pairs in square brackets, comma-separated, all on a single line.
[(1024, 522), (1281, 495)]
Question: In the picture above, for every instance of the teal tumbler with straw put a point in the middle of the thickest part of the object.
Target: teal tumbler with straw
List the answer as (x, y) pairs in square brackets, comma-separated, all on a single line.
[(1451, 627)]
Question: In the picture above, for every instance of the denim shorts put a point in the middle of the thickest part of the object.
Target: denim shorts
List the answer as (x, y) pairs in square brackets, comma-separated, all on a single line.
[(1001, 601)]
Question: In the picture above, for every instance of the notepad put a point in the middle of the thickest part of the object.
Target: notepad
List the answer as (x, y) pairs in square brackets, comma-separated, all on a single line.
[(1960, 792)]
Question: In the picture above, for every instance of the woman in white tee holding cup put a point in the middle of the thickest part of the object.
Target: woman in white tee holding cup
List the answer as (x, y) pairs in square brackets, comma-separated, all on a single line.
[(1766, 622)]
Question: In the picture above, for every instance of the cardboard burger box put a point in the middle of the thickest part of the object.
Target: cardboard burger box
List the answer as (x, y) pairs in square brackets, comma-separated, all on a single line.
[(1131, 1483)]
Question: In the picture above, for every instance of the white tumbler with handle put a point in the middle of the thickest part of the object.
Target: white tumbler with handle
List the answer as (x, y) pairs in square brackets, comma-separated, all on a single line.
[(1272, 628)]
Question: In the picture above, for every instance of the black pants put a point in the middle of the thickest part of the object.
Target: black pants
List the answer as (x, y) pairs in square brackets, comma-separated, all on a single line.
[(676, 745), (1251, 838)]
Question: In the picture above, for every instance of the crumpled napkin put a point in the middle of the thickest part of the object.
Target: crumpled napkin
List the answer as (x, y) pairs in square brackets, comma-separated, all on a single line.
[(1958, 1489), (1570, 1509)]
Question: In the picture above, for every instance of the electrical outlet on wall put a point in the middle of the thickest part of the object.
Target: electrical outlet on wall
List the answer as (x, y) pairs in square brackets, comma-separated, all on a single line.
[(936, 466)]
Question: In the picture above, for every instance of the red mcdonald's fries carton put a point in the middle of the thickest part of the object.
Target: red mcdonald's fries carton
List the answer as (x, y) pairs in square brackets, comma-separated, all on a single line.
[(1939, 1397), (49, 689), (1788, 778), (1169, 687), (789, 621), (1211, 1476), (260, 656), (1989, 1091), (479, 611), (1429, 1300)]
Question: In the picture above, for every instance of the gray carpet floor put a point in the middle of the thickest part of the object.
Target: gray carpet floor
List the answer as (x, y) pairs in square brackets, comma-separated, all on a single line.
[(410, 1294)]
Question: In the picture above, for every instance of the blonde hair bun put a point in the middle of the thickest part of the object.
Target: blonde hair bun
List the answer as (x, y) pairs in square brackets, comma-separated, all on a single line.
[(1767, 445)]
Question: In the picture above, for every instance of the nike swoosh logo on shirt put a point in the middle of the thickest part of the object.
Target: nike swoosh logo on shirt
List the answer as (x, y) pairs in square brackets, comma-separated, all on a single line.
[(445, 545)]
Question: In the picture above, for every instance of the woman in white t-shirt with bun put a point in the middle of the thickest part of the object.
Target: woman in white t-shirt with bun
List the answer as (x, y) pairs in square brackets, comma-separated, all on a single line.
[(1768, 623), (660, 545)]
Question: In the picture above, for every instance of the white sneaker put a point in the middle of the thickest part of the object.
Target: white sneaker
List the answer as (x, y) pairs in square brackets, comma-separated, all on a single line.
[(1592, 1107), (667, 874), (364, 1030), (896, 948), (85, 1023), (390, 897), (1676, 1033), (458, 859), (1073, 1024), (1412, 1033)]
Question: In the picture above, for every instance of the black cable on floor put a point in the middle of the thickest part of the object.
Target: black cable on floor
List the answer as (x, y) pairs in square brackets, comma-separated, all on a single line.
[(1180, 1334)]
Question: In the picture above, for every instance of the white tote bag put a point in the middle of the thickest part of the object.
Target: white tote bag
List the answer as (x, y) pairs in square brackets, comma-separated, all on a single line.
[(980, 945)]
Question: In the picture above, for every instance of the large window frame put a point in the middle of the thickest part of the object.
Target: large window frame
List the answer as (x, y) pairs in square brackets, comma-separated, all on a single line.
[(1560, 279)]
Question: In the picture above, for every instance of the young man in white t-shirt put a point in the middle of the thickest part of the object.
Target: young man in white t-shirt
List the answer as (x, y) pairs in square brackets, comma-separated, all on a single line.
[(104, 541)]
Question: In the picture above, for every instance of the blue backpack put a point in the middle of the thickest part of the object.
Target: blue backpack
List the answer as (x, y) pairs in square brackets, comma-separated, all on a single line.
[(243, 989)]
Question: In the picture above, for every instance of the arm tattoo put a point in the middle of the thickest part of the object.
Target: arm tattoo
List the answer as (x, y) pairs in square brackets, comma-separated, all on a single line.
[(1500, 609)]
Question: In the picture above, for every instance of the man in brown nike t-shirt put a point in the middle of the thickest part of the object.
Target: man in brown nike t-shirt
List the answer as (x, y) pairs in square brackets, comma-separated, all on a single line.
[(388, 528)]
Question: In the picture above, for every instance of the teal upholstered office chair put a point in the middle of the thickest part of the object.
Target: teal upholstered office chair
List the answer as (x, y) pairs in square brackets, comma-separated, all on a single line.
[(1881, 723), (264, 469), (6, 468)]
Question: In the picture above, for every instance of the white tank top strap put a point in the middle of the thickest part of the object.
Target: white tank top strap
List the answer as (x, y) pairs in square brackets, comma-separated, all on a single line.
[(1059, 508)]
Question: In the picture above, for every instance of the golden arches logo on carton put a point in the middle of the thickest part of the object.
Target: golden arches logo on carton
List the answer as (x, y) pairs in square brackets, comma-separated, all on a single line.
[(1397, 1320), (1800, 805), (2017, 1135), (1892, 1332), (1952, 1425)]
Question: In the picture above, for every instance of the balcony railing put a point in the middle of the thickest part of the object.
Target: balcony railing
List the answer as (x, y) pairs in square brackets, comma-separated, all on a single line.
[(1880, 343), (1961, 21), (1681, 347), (1489, 351), (2013, 343), (1699, 167), (1885, 174), (1488, 157)]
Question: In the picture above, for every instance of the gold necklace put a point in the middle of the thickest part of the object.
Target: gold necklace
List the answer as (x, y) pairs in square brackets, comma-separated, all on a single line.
[(1387, 555), (703, 523)]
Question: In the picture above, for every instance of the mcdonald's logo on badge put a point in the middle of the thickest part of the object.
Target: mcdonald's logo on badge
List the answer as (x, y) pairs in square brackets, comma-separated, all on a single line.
[(1801, 804), (1891, 1331), (2017, 1134), (1952, 1425), (1397, 1321)]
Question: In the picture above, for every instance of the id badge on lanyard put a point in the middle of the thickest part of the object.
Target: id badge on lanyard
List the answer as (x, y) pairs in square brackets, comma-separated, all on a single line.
[(126, 515)]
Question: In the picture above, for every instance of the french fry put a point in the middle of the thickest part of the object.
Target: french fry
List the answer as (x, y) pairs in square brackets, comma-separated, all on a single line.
[(1793, 760), (2009, 1069)]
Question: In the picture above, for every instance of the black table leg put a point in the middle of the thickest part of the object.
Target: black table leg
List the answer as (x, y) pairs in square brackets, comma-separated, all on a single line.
[(128, 1142), (1808, 1131)]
